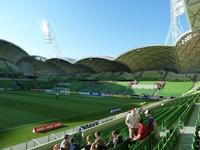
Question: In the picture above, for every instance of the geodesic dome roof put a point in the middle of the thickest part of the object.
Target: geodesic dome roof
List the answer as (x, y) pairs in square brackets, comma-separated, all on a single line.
[(103, 65), (68, 67), (188, 52), (150, 58), (193, 12), (42, 67), (11, 52)]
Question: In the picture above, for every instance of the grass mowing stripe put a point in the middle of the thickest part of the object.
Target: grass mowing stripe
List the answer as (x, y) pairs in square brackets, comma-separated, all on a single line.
[(65, 117), (17, 117)]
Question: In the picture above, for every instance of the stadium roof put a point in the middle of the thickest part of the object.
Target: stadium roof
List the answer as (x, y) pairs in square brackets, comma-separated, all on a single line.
[(11, 52), (103, 65), (193, 12), (184, 57), (43, 67), (67, 66), (150, 58), (188, 52)]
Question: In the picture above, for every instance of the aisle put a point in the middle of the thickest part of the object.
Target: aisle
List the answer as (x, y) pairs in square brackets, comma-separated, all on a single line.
[(186, 136)]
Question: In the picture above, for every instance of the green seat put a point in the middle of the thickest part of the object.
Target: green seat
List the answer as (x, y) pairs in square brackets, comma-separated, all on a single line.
[(122, 146)]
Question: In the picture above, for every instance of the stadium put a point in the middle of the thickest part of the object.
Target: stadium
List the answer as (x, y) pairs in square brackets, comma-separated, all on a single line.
[(42, 100)]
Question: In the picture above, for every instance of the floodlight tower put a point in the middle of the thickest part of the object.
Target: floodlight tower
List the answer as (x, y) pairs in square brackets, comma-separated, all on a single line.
[(50, 38), (177, 9)]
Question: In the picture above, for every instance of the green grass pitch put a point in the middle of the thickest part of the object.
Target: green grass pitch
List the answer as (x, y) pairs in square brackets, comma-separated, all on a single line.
[(21, 111)]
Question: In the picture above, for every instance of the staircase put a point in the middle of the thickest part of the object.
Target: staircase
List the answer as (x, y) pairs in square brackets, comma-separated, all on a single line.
[(139, 76), (187, 133), (195, 78), (19, 85), (163, 77)]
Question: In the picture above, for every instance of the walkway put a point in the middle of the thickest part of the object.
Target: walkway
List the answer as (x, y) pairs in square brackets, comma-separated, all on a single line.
[(185, 139)]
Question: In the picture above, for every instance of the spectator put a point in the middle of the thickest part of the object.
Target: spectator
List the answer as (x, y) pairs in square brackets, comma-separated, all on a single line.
[(152, 125), (97, 147), (132, 120), (67, 146), (143, 131), (56, 147), (117, 139), (89, 143), (64, 142), (98, 143), (197, 140), (73, 145), (98, 139)]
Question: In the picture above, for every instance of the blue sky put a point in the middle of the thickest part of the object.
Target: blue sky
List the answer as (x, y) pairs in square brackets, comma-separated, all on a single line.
[(85, 27)]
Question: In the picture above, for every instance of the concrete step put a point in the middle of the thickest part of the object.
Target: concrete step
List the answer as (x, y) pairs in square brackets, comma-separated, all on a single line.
[(186, 137), (184, 147)]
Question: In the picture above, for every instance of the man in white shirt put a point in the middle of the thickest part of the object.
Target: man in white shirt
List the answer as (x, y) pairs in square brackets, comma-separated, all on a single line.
[(132, 121)]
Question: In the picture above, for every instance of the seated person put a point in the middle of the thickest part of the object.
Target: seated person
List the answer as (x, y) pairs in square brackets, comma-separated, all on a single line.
[(99, 142), (56, 147), (143, 131), (117, 139), (89, 143), (97, 147), (65, 141), (98, 139), (73, 145), (65, 147), (152, 124)]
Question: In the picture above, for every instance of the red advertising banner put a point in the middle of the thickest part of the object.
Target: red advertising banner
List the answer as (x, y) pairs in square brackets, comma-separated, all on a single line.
[(47, 127)]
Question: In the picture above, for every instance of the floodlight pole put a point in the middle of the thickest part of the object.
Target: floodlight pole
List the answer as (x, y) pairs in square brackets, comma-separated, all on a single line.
[(56, 45), (50, 38), (175, 29)]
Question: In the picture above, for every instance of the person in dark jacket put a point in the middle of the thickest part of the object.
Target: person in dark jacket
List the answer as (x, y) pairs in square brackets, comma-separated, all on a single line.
[(117, 139), (73, 145)]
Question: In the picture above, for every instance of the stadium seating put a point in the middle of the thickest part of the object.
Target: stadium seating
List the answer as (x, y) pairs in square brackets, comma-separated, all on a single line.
[(6, 84), (104, 87), (115, 87), (152, 75), (13, 69), (169, 140), (7, 68), (196, 139), (27, 84), (174, 88), (178, 77), (143, 91), (108, 87), (169, 117)]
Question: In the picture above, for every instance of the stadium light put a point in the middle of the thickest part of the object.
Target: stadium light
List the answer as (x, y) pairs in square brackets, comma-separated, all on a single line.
[(46, 32), (177, 9), (46, 26), (50, 38)]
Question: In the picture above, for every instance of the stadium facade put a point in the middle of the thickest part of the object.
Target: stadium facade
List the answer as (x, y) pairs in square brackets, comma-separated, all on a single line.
[(183, 57)]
